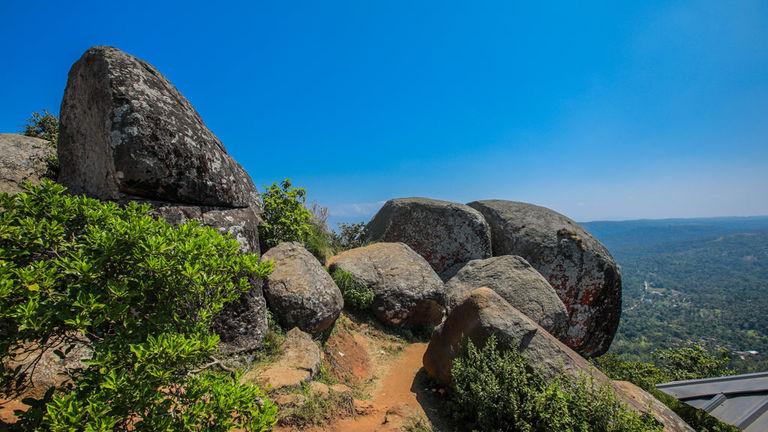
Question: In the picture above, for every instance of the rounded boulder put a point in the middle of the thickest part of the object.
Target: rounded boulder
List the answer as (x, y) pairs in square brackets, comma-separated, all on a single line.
[(442, 232), (518, 283), (579, 268), (299, 291), (407, 292)]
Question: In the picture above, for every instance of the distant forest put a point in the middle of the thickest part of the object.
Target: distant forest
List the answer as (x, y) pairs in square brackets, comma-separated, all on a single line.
[(703, 280)]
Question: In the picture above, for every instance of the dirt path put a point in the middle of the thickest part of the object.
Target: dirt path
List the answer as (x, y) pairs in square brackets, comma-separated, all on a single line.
[(395, 400)]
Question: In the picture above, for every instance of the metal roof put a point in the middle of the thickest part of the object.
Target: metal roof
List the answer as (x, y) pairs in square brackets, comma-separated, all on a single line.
[(739, 400)]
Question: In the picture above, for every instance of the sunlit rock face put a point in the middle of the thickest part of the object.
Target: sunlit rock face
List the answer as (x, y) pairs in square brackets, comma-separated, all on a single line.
[(579, 268)]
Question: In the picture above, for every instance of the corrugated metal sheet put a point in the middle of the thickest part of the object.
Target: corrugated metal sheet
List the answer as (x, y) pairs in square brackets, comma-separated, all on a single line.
[(739, 400)]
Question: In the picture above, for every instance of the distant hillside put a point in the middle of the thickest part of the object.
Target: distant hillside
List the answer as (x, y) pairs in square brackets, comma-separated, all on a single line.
[(707, 280)]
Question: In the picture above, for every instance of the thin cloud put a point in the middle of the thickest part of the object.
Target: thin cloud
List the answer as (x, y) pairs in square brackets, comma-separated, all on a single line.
[(355, 209)]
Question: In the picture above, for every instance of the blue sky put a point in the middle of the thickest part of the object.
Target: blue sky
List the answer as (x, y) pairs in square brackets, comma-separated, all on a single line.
[(601, 110)]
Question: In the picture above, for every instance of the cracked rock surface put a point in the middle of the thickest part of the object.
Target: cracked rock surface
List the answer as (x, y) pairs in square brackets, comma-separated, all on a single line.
[(579, 268), (518, 283)]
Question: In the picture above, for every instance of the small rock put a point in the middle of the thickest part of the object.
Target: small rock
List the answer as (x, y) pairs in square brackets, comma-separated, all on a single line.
[(298, 362), (300, 291), (318, 388)]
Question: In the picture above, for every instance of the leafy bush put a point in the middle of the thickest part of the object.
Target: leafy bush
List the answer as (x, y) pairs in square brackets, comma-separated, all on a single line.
[(356, 295), (142, 294), (285, 216), (690, 361), (496, 390), (350, 236), (45, 125), (286, 219)]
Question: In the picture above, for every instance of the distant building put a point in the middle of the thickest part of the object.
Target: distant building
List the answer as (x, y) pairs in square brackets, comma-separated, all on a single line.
[(739, 400)]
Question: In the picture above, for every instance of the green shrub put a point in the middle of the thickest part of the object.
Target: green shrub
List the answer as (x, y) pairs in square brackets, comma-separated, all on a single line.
[(286, 219), (350, 236), (356, 295), (285, 216), (142, 294), (319, 242), (690, 361), (45, 125), (495, 390)]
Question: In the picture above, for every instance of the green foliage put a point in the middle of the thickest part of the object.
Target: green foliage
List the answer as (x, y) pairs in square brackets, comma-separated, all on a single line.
[(45, 125), (313, 409), (707, 280), (497, 390), (693, 361), (142, 294), (356, 295), (350, 236), (285, 216), (319, 242), (690, 361)]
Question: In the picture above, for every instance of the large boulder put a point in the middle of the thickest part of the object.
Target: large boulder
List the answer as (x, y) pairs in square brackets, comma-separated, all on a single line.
[(577, 266), (518, 283), (444, 233), (22, 159), (128, 134), (126, 130), (407, 292), (299, 291), (242, 324), (483, 313)]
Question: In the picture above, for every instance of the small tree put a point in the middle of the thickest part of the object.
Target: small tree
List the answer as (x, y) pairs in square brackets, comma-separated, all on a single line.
[(285, 216), (43, 125)]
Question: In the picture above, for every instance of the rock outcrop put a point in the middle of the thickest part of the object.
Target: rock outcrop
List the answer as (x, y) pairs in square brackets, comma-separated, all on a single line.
[(299, 291), (299, 362), (444, 233), (128, 134), (407, 292), (518, 283), (577, 266), (22, 159), (483, 313)]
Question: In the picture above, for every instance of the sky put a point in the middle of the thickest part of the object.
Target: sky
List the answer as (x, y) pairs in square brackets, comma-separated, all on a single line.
[(599, 110)]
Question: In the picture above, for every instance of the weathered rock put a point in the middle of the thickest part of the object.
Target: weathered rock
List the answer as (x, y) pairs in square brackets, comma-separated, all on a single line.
[(347, 356), (444, 233), (126, 130), (644, 402), (242, 324), (483, 313), (128, 134), (577, 266), (241, 223), (518, 283), (298, 362), (50, 371), (299, 291), (407, 292), (23, 158)]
